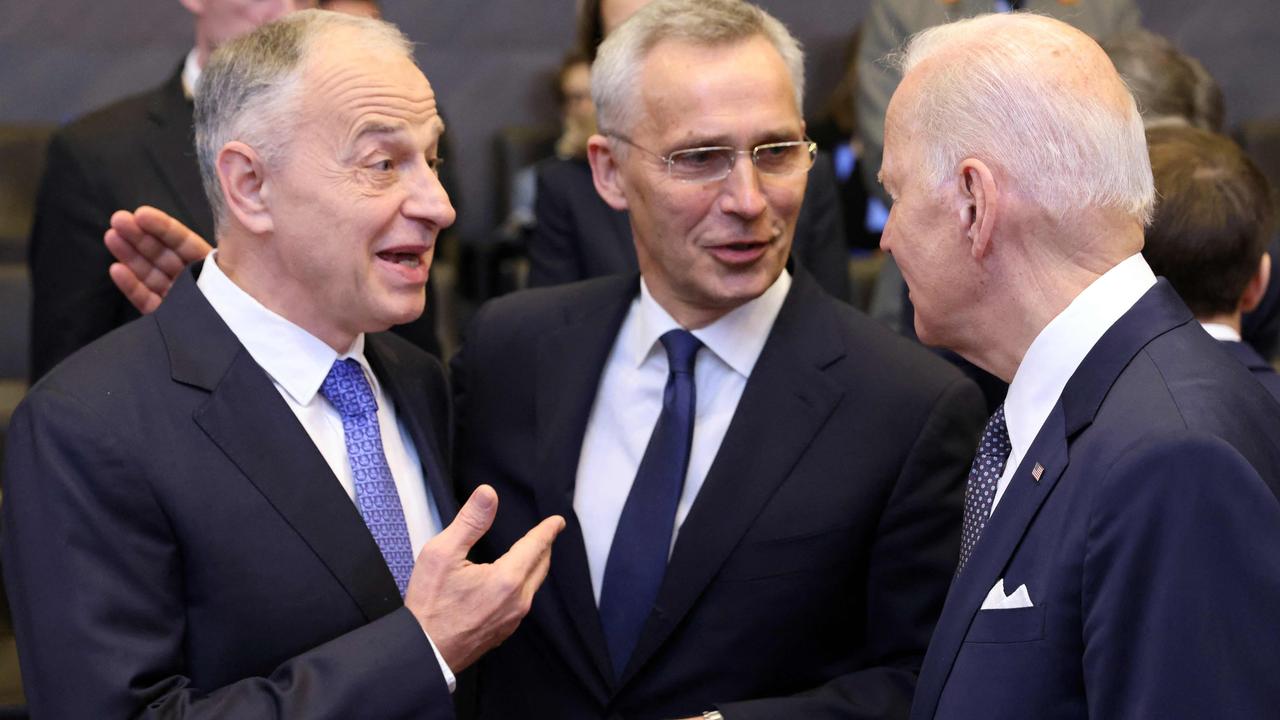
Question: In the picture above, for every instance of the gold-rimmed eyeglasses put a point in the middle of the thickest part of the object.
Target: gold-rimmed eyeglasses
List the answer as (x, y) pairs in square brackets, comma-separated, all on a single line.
[(709, 164)]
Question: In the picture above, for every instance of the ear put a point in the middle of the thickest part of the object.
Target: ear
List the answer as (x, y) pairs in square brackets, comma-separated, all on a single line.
[(242, 173), (195, 7), (979, 204), (606, 172), (1257, 286)]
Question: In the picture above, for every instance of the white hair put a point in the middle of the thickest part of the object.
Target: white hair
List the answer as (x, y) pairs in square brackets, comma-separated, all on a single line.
[(615, 72), (994, 99), (248, 91)]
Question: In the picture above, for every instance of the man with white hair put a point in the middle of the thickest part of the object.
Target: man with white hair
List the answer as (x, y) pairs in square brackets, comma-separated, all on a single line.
[(239, 507), (761, 484), (1121, 549)]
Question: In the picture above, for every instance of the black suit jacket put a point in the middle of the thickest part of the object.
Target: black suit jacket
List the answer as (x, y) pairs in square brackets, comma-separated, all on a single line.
[(1148, 542), (807, 577), (138, 151), (578, 236), (175, 546)]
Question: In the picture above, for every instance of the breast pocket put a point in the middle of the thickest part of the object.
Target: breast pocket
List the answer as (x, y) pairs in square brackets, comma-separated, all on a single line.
[(1007, 626)]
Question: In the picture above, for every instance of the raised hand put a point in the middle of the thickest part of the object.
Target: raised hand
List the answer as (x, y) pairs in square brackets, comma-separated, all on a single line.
[(467, 608), (151, 248)]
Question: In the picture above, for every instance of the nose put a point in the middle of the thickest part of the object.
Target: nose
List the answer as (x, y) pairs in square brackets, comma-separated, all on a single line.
[(742, 194), (427, 199)]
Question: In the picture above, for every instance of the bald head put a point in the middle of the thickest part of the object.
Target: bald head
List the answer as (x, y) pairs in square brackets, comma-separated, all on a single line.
[(1035, 99)]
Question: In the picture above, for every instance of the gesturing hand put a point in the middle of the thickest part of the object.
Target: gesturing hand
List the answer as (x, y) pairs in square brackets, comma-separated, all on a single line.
[(466, 608), (152, 249)]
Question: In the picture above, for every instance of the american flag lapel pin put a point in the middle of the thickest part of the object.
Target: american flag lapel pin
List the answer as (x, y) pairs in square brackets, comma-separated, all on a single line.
[(1037, 472)]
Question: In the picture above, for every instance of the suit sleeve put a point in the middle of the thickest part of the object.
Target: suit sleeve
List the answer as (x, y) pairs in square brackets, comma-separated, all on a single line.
[(820, 242), (911, 564), (1181, 582), (73, 299), (94, 573), (553, 257)]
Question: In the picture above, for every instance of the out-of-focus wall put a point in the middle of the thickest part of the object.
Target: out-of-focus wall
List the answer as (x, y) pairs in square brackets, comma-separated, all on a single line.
[(489, 60)]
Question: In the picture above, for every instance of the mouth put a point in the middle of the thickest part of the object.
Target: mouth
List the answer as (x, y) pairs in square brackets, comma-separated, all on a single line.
[(740, 252), (409, 263)]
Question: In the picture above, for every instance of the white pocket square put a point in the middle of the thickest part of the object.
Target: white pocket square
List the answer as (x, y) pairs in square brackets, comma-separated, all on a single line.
[(998, 600)]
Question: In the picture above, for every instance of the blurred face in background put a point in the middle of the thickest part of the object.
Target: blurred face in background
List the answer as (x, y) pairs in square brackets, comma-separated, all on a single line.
[(219, 21), (614, 12)]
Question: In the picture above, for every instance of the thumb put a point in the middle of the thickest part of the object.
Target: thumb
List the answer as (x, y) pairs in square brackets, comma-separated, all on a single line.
[(473, 520)]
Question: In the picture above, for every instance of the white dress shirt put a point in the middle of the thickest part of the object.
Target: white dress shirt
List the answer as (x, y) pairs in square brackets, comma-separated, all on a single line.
[(1220, 332), (1059, 349), (297, 363), (629, 401), (190, 74)]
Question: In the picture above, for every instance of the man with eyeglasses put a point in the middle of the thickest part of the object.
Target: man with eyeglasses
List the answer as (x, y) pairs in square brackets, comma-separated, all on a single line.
[(762, 485)]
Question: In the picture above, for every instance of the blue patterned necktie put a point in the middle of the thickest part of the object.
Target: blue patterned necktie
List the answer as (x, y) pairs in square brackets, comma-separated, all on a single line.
[(347, 389), (980, 492), (642, 541)]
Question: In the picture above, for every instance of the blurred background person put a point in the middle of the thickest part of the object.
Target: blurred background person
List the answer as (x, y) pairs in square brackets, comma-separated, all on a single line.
[(1210, 233)]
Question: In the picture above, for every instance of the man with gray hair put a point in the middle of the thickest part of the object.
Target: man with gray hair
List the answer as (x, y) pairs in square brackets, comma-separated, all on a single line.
[(1121, 547), (215, 511), (761, 484)]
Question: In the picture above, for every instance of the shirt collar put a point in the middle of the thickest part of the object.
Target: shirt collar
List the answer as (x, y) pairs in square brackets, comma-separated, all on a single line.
[(737, 338), (1218, 331), (1062, 345), (190, 74), (294, 358)]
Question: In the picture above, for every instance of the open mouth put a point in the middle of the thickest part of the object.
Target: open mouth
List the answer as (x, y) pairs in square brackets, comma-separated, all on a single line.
[(406, 259)]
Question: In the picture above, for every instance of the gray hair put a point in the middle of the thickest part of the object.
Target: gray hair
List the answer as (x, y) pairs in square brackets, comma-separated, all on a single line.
[(1171, 88), (1067, 150), (615, 72), (249, 89)]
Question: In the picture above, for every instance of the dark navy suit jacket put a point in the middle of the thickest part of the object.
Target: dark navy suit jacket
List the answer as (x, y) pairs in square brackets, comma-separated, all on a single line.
[(1261, 369), (1149, 543), (806, 579), (175, 546)]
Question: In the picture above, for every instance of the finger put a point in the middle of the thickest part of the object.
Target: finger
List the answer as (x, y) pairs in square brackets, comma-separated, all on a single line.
[(138, 294), (530, 556), (143, 252), (473, 521), (135, 263), (182, 240)]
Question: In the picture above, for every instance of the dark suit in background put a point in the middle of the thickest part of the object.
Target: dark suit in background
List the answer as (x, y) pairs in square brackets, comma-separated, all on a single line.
[(578, 236), (216, 568), (1149, 544), (808, 574), (138, 151), (1261, 369)]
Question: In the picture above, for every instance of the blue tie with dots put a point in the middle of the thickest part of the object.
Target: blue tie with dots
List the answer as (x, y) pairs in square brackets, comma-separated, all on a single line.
[(347, 389), (980, 492), (638, 554)]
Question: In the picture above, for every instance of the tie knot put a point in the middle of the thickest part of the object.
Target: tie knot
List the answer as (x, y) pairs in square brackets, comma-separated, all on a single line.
[(682, 349), (995, 437), (347, 389)]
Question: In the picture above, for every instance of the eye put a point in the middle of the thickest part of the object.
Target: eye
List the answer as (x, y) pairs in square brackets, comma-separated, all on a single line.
[(383, 166)]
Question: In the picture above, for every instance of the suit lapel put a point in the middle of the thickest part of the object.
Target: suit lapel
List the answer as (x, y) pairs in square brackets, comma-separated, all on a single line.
[(788, 381), (1156, 312), (171, 149), (249, 421), (412, 397), (569, 365)]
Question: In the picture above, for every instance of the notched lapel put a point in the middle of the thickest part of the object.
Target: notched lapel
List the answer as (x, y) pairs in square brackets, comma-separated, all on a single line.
[(1008, 524), (569, 365), (756, 456)]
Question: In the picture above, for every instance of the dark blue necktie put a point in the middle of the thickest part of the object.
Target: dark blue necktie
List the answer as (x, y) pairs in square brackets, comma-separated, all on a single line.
[(347, 389), (980, 492), (641, 544)]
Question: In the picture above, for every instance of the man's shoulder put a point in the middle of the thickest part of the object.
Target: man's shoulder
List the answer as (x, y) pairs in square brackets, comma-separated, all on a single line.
[(106, 129), (528, 313)]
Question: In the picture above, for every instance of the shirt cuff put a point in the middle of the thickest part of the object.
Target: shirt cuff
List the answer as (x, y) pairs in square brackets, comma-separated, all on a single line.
[(449, 677)]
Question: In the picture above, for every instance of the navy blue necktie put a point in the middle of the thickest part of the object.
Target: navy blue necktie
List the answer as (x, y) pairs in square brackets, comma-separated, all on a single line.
[(347, 389), (980, 492), (642, 541)]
